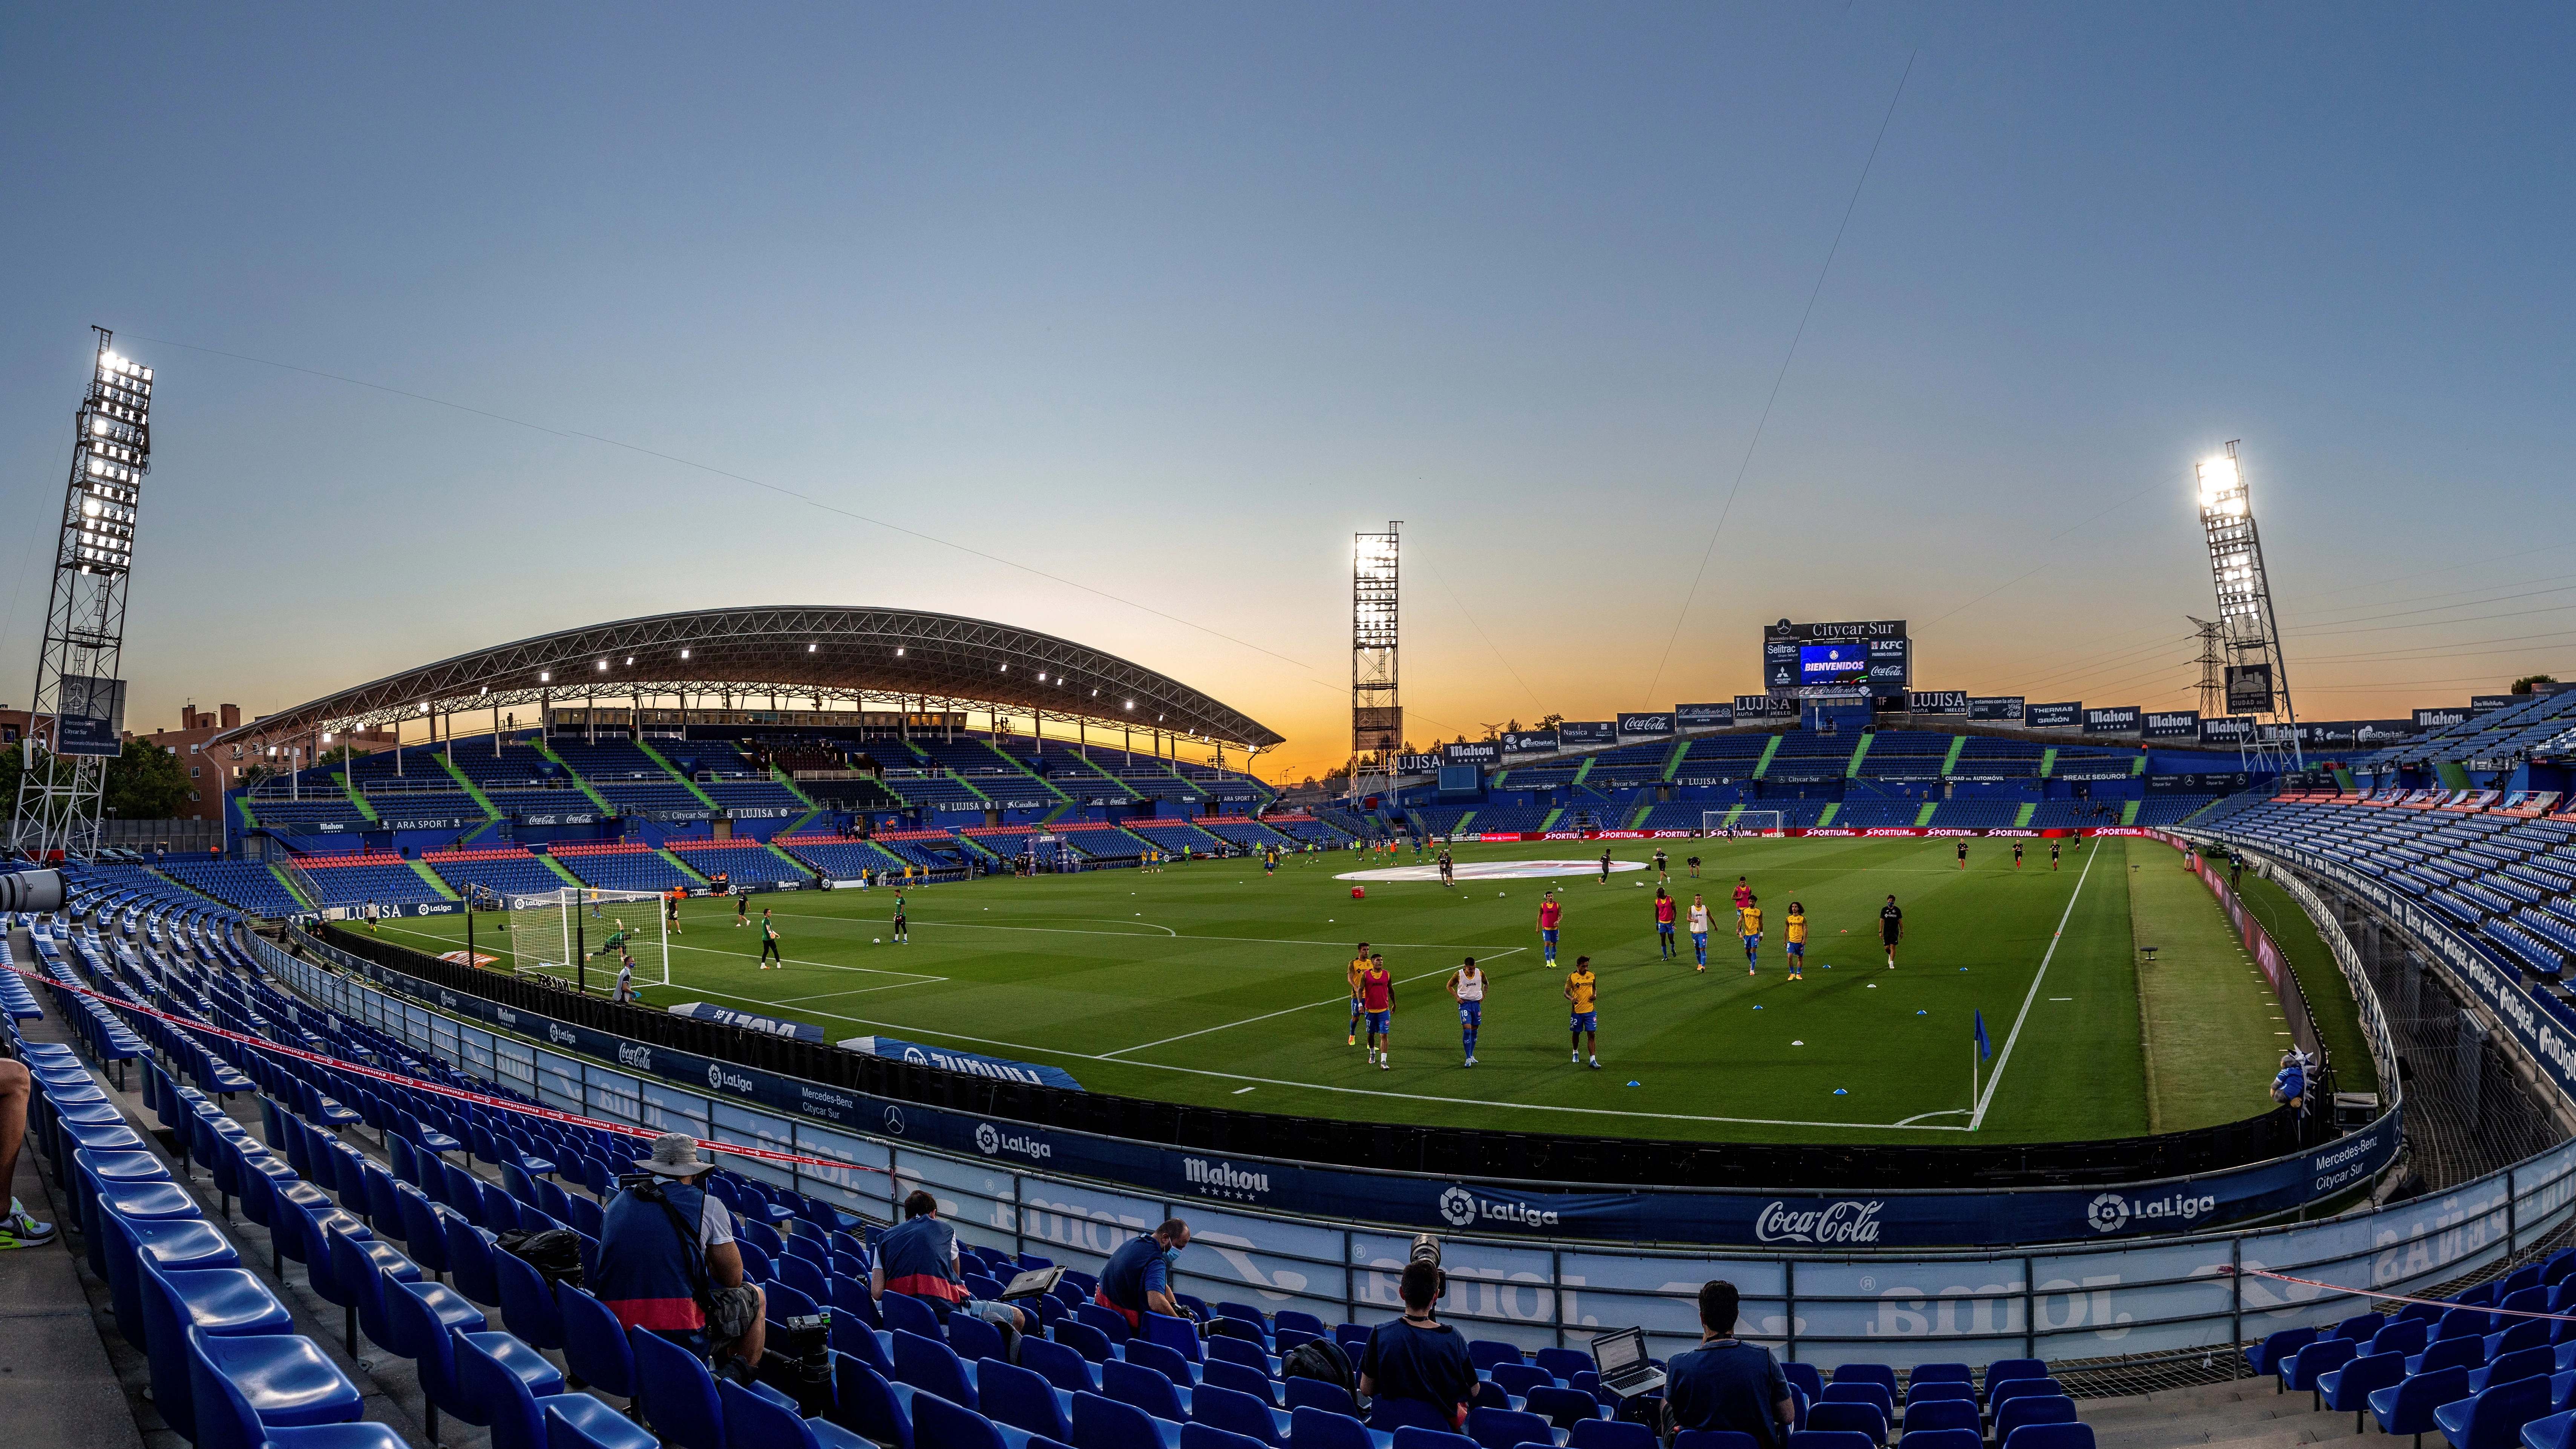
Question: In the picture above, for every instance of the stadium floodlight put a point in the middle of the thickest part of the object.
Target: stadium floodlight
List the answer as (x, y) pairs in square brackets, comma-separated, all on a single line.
[(2257, 671), (77, 714), (545, 676)]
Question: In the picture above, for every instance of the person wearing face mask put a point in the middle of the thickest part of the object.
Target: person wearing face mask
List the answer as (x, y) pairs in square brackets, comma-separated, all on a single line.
[(1138, 1277)]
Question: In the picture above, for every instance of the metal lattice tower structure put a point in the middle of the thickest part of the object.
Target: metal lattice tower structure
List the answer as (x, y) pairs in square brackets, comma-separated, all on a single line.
[(2258, 679), (78, 710), (1377, 707), (2213, 668)]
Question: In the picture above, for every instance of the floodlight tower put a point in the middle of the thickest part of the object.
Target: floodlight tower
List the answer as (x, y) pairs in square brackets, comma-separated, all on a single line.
[(2258, 677), (78, 710), (1377, 712)]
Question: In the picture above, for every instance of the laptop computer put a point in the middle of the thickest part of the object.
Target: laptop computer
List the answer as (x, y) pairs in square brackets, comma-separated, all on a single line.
[(1031, 1283), (1621, 1359)]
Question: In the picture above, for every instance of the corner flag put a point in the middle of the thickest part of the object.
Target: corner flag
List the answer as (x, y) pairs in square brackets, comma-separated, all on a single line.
[(1985, 1048)]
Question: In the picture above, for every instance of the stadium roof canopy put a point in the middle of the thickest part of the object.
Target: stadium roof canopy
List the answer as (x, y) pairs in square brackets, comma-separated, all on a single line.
[(802, 655)]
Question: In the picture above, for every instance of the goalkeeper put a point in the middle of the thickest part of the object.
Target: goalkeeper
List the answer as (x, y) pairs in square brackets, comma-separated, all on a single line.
[(612, 945)]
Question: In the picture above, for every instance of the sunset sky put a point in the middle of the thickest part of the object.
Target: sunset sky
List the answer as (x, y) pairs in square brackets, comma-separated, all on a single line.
[(644, 309)]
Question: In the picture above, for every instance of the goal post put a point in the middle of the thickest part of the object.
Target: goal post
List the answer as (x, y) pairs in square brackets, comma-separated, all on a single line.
[(1741, 822), (585, 928)]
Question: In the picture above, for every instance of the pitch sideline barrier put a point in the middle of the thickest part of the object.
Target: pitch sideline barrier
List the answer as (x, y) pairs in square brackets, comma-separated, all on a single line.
[(1846, 1302)]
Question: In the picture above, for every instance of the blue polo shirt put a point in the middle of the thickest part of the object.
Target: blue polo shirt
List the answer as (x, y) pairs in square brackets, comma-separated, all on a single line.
[(1428, 1365), (1135, 1270), (1727, 1385)]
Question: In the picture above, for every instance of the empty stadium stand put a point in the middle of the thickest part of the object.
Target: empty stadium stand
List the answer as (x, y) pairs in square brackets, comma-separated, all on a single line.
[(507, 871), (620, 866), (744, 863)]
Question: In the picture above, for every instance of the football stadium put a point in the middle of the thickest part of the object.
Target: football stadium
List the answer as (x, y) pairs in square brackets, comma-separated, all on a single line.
[(694, 951)]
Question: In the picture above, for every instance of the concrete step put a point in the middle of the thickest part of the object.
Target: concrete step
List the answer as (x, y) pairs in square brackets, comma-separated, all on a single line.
[(2245, 1413)]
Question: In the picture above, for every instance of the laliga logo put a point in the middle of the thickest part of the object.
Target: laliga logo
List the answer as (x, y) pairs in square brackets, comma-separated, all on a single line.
[(990, 1141), (2108, 1214), (987, 1140), (560, 1034), (722, 1080), (1458, 1207)]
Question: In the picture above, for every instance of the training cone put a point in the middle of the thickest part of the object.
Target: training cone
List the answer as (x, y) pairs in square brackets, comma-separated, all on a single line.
[(1839, 1092), (1360, 893)]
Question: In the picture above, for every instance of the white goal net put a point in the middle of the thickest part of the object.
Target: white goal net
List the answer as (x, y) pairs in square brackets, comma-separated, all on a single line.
[(1742, 822), (584, 934)]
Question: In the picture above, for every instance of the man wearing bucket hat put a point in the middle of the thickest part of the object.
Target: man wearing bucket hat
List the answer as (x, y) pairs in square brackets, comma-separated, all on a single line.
[(668, 1263)]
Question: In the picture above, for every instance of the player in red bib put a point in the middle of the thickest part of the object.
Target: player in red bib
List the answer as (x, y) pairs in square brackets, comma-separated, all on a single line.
[(1743, 893), (1549, 913)]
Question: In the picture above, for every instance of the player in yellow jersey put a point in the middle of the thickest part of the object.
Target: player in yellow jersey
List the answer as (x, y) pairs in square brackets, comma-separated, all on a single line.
[(1797, 940), (1748, 924), (1585, 1022), (1358, 968)]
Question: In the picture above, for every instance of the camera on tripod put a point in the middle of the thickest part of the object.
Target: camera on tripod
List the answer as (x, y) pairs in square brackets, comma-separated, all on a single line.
[(802, 1367)]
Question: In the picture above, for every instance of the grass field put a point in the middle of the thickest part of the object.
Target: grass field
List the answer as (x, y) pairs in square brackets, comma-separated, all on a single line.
[(1210, 983)]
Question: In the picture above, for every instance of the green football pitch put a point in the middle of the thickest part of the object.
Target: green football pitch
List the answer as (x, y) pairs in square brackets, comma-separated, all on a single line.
[(1212, 983)]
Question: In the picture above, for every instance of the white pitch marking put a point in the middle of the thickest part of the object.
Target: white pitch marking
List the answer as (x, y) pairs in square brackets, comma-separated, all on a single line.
[(2004, 1058), (1284, 1011)]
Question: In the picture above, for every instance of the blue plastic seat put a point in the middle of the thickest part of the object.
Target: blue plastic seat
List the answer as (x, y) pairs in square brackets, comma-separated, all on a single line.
[(1505, 1428), (2522, 1363), (1998, 1395), (527, 1304), (1738, 1439), (1105, 1423), (1611, 1434), (1931, 1373), (596, 1353), (2005, 1370), (244, 1388), (1829, 1439), (1393, 1414), (1855, 1415), (2465, 1352), (927, 1363), (1329, 1398), (1197, 1435), (2551, 1432), (504, 1377), (1161, 1359), (1414, 1436), (761, 1419), (219, 1302), (2493, 1418), (1059, 1365), (1862, 1391), (676, 1396), (1565, 1408), (172, 1244), (1083, 1339), (1487, 1352), (910, 1315), (1234, 1377), (1020, 1398), (973, 1338), (870, 1405), (2065, 1435), (578, 1421), (939, 1424), (1148, 1389), (2033, 1409), (360, 1269), (1241, 1351), (1800, 1376), (1941, 1414), (2300, 1370), (2347, 1390), (1918, 1390)]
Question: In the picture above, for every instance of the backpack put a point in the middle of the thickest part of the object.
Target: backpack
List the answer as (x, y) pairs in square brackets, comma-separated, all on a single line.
[(554, 1252), (1321, 1358)]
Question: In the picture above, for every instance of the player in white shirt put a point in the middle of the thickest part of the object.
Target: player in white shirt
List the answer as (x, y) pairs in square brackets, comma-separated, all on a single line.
[(1699, 930), (1467, 988)]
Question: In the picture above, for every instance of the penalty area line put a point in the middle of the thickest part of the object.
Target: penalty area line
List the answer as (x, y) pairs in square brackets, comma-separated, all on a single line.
[(1265, 1016)]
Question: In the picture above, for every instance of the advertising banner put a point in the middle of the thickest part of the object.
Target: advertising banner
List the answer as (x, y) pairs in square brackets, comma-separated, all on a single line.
[(2370, 733), (1473, 752), (1764, 706), (1996, 708), (2054, 716), (973, 1064), (1416, 764), (1703, 716), (2225, 782), (767, 1025), (90, 716), (2433, 719), (2173, 724), (2249, 689), (1936, 701), (2111, 719), (1578, 733), (1643, 726), (1530, 742), (2226, 730), (2481, 703), (1836, 659)]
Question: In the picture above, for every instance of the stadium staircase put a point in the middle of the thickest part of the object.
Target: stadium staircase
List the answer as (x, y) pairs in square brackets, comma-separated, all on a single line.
[(574, 776), (800, 822), (2047, 761), (1762, 766), (1462, 821), (1588, 762), (1859, 753), (683, 866), (1950, 761), (357, 800), (292, 888), (1923, 816), (445, 892), (2239, 1414), (1832, 809), (557, 867), (2028, 808), (472, 791), (2129, 811), (704, 798), (1673, 761), (1550, 822), (1043, 782)]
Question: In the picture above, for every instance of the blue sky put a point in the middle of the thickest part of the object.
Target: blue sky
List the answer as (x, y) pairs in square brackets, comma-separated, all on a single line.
[(1171, 300)]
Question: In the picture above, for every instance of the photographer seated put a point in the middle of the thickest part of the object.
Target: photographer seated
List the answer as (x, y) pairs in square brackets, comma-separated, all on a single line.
[(919, 1257), (1417, 1357), (660, 1273), (1726, 1383), (2290, 1087), (1137, 1279)]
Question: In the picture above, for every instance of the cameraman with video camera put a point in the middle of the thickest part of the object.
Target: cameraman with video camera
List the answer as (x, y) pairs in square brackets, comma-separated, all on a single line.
[(1418, 1357), (668, 1263)]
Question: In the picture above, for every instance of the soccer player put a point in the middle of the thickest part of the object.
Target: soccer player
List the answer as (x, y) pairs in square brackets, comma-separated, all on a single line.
[(769, 944), (625, 978), (742, 910), (2052, 855), (1693, 863), (671, 911), (902, 931), (1663, 876), (371, 915), (616, 942), (1584, 1024), (1467, 988), (1448, 868), (2016, 855), (1748, 924), (1891, 929), (1699, 930), (1963, 852), (1357, 969), (1797, 939), (1377, 993), (594, 903), (1743, 893), (1549, 913), (1664, 913), (1605, 865)]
